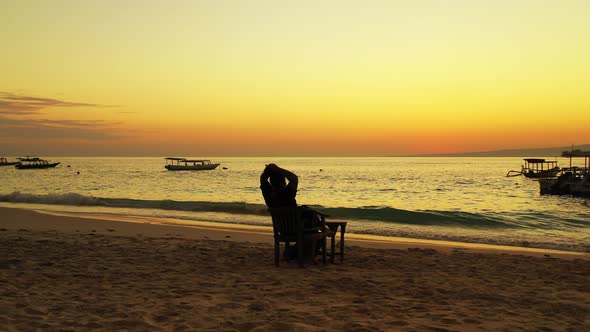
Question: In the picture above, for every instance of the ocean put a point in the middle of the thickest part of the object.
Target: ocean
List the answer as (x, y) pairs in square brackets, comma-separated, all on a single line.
[(460, 199)]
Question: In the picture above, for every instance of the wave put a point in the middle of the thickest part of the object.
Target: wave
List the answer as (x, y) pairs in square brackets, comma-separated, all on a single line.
[(368, 213), (426, 217), (166, 204)]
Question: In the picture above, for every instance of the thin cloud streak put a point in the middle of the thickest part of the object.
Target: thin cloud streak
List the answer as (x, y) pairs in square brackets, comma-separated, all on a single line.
[(13, 104), (54, 129)]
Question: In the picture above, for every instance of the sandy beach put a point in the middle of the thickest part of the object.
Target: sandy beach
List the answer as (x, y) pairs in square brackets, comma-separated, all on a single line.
[(71, 273)]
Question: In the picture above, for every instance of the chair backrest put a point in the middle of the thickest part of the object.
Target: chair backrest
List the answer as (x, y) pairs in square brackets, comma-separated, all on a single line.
[(286, 220)]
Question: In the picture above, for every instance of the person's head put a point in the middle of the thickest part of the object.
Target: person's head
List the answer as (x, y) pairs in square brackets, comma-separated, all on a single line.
[(277, 180)]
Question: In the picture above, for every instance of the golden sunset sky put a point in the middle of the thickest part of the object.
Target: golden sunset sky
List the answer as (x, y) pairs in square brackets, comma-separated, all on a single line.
[(292, 78)]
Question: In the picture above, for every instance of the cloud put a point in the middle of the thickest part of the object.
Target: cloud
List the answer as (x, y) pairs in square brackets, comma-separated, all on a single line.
[(56, 129), (13, 104)]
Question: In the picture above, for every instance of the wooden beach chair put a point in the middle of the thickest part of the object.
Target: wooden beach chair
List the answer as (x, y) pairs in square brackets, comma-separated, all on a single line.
[(288, 226)]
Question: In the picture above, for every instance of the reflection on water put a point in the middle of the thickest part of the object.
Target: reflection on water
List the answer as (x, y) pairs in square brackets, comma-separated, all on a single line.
[(476, 187)]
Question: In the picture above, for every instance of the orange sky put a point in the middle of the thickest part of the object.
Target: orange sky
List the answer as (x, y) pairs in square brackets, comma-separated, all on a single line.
[(349, 78)]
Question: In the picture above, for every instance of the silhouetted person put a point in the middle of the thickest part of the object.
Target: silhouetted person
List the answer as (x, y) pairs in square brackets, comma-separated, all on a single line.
[(275, 189), (279, 188)]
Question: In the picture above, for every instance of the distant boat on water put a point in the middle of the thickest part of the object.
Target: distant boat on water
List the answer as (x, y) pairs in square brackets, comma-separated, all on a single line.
[(34, 163), (537, 168), (183, 164), (5, 162)]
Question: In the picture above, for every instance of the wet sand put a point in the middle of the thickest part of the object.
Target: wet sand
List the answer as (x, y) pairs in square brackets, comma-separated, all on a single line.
[(72, 273)]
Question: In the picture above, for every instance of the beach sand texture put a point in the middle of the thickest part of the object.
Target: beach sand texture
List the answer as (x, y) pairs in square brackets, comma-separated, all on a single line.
[(107, 275)]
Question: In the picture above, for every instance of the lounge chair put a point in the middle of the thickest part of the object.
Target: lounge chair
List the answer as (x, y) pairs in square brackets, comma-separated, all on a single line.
[(288, 226)]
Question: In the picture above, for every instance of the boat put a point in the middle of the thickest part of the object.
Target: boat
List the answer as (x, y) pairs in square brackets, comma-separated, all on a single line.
[(573, 180), (537, 168), (33, 163), (5, 162), (183, 164)]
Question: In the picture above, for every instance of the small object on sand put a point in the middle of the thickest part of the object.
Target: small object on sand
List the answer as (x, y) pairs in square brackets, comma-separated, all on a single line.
[(547, 255), (321, 170), (77, 172), (68, 165), (227, 236), (224, 167)]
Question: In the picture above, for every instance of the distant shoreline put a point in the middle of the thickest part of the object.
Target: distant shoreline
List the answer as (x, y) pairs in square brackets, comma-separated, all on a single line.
[(536, 152), (552, 152)]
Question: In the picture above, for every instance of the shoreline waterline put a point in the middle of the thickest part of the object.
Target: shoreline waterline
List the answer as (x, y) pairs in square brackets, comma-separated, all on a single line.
[(550, 239), (263, 234)]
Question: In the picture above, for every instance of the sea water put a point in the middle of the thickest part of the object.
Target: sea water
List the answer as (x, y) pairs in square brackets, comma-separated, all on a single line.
[(464, 199)]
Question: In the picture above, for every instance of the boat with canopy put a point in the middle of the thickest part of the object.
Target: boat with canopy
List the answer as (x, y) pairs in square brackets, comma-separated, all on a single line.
[(5, 162), (34, 163), (537, 168), (573, 180), (183, 164)]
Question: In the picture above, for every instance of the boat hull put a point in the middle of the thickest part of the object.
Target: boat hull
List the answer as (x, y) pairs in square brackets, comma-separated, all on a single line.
[(565, 186), (191, 167), (581, 189), (22, 166)]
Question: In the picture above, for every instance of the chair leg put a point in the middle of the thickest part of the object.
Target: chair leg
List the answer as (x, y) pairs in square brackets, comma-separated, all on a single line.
[(332, 250), (277, 252), (300, 253), (324, 250)]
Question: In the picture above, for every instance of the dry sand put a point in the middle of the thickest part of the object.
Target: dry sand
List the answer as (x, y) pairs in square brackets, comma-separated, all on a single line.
[(70, 273)]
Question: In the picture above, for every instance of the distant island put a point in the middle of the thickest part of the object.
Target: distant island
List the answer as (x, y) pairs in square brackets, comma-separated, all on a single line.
[(538, 152)]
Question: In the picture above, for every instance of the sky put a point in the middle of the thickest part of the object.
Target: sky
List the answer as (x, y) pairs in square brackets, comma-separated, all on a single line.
[(292, 78)]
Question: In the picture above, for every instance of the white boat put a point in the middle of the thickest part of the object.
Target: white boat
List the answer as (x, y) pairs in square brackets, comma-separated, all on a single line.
[(183, 164)]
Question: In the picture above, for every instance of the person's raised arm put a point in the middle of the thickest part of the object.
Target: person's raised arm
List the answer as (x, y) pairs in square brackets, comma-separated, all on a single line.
[(291, 177), (264, 177)]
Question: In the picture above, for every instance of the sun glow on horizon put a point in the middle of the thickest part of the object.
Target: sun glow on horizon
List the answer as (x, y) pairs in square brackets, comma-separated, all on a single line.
[(264, 77)]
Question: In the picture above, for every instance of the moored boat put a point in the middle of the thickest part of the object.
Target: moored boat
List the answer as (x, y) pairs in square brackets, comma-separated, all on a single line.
[(34, 163), (537, 168), (5, 162), (573, 180), (183, 164)]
